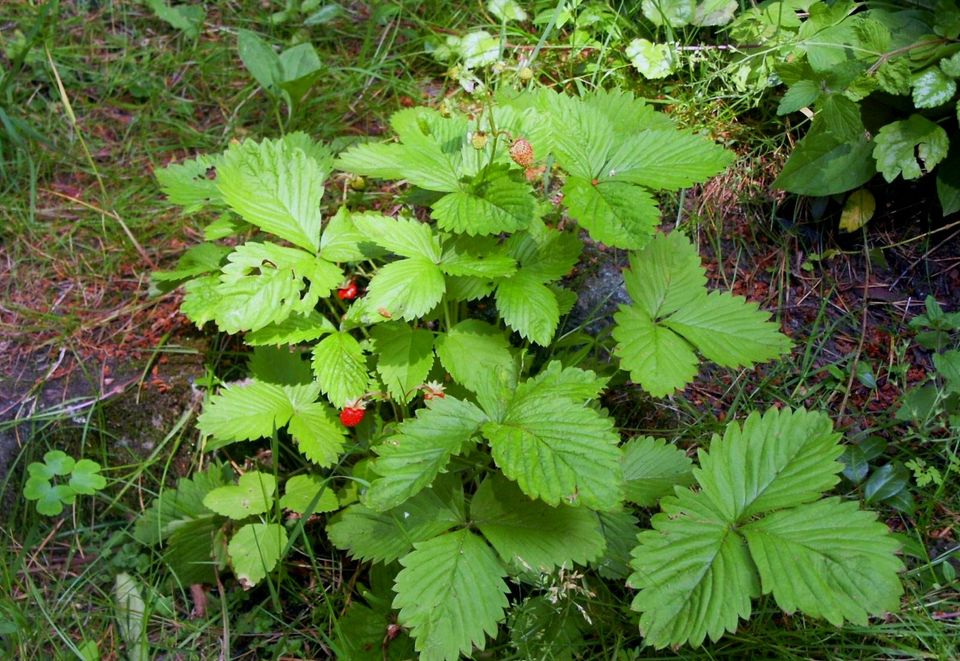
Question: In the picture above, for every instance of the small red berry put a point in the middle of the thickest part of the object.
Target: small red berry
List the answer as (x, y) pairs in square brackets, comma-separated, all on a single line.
[(521, 151), (352, 416), (348, 293)]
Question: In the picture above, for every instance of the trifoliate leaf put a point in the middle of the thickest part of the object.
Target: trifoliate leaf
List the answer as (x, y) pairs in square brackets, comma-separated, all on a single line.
[(857, 210), (255, 550), (910, 147), (341, 369), (827, 559), (695, 576), (450, 594), (410, 459), (386, 536), (528, 307), (403, 236), (86, 479), (558, 450), (50, 498), (672, 314), (619, 530), (932, 88), (249, 303), (309, 492), (753, 529), (244, 412), (651, 60), (275, 187), (293, 330), (494, 205), (775, 460), (652, 468), (615, 213), (55, 462), (253, 494), (532, 533), (404, 358), (189, 183), (407, 288)]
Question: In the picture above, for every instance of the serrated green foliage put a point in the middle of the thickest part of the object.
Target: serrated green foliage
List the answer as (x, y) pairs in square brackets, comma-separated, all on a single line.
[(188, 184), (558, 450), (497, 203), (341, 368), (387, 536), (757, 527), (244, 412), (528, 307), (615, 213), (474, 350), (542, 629), (532, 533), (293, 330), (255, 550), (279, 365), (673, 313), (404, 358), (619, 530), (450, 594), (910, 147), (253, 494), (275, 185), (408, 288), (651, 470), (410, 459)]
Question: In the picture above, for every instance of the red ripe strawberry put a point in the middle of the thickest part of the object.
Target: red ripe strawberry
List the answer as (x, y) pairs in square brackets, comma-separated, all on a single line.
[(521, 152), (348, 293), (352, 416)]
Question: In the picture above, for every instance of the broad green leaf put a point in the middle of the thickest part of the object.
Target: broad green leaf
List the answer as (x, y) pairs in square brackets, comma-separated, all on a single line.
[(403, 236), (407, 288), (910, 147), (259, 58), (342, 241), (201, 299), (932, 88), (299, 68), (172, 508), (666, 160), (459, 260), (532, 533), (374, 536), (496, 204), (778, 459), (528, 307), (317, 432), (293, 330), (341, 368), (886, 482), (543, 253), (800, 95), (827, 559), (279, 365), (410, 459), (86, 479), (823, 163), (200, 259), (652, 60), (619, 530), (729, 330), (948, 368), (450, 593), (694, 574), (857, 210), (186, 18), (275, 187), (615, 213), (189, 185), (419, 157), (253, 494), (652, 468), (559, 381), (244, 412), (559, 451), (311, 493), (255, 550), (404, 358), (251, 302), (675, 13), (582, 136), (657, 358), (472, 350)]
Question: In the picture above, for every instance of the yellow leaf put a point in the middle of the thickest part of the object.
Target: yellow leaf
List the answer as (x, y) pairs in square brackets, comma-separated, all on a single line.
[(857, 211)]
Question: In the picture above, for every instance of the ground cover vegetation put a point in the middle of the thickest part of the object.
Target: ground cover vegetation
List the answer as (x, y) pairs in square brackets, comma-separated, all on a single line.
[(497, 330)]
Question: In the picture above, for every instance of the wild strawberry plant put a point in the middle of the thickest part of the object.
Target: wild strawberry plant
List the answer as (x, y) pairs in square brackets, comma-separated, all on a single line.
[(441, 416)]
